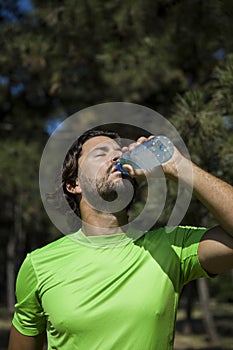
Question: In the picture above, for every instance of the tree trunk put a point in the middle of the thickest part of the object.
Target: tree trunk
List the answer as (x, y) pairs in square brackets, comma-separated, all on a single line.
[(15, 240), (190, 295), (10, 272), (204, 298)]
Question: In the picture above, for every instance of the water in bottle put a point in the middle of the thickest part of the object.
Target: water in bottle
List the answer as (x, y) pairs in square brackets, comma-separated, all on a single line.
[(148, 155)]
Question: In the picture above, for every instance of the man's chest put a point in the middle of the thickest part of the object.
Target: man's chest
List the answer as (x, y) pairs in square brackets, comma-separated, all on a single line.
[(107, 289)]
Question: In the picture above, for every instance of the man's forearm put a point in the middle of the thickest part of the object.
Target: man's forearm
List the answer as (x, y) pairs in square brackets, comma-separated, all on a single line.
[(19, 341), (215, 194)]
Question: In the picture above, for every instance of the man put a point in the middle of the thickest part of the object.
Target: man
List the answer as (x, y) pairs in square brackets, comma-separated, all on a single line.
[(100, 289)]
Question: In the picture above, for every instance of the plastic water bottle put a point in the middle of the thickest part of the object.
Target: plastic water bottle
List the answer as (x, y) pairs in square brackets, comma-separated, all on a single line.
[(148, 155)]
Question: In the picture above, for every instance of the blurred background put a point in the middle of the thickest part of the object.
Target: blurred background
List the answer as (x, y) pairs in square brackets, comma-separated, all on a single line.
[(58, 57)]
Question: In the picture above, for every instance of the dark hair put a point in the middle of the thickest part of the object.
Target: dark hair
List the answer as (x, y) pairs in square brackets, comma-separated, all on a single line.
[(70, 164), (69, 174)]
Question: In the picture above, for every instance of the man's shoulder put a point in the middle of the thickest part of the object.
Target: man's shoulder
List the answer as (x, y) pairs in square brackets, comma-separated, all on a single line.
[(176, 235), (60, 244), (152, 236), (49, 258)]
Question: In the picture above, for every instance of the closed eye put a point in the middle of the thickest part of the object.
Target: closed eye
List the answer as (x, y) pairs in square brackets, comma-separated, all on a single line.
[(100, 155)]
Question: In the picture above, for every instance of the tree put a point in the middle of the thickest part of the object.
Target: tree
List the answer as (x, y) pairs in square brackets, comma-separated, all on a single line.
[(204, 118), (60, 57)]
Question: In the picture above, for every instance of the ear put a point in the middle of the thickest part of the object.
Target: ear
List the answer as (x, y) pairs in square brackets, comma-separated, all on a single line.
[(75, 190)]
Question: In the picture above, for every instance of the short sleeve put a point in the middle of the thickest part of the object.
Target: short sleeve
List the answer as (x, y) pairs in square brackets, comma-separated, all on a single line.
[(28, 318), (190, 265)]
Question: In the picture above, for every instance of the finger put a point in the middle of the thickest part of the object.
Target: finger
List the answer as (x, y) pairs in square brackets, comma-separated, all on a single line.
[(141, 139), (129, 168), (132, 146), (134, 172), (125, 149), (151, 137)]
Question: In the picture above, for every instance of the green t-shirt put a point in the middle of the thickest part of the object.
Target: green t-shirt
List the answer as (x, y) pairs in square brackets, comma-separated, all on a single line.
[(107, 292)]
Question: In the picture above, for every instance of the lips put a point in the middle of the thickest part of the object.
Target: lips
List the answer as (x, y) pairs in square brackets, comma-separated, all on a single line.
[(114, 170)]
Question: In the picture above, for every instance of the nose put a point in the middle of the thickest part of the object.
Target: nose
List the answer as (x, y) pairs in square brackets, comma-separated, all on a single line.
[(115, 157)]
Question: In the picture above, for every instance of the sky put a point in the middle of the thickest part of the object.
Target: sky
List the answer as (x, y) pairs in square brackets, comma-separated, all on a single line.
[(13, 9)]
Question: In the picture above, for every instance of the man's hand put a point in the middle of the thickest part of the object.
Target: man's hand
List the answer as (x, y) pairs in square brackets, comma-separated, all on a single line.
[(171, 168)]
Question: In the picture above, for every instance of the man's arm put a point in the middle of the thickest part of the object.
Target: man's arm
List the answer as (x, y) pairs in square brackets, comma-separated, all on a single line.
[(19, 341), (216, 247)]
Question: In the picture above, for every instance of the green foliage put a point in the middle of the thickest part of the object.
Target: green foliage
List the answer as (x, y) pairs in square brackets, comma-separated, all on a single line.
[(19, 163), (64, 56), (85, 52), (69, 55), (205, 120)]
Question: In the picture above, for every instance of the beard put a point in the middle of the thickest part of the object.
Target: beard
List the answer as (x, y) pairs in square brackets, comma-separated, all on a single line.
[(107, 194)]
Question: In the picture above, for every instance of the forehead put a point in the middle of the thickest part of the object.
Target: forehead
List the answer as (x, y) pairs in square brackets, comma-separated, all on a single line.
[(98, 141)]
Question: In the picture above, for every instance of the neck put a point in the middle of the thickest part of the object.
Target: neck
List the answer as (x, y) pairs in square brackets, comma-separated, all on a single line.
[(95, 223)]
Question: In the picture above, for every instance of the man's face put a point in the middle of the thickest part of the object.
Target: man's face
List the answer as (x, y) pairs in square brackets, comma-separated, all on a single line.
[(100, 183)]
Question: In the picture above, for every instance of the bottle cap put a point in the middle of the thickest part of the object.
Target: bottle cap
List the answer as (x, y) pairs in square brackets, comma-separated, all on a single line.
[(121, 169)]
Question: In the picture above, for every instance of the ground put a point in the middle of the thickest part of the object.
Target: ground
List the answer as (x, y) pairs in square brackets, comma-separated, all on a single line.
[(196, 340)]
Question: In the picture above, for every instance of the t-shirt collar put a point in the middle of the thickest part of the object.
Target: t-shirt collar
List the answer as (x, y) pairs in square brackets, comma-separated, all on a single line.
[(102, 241)]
